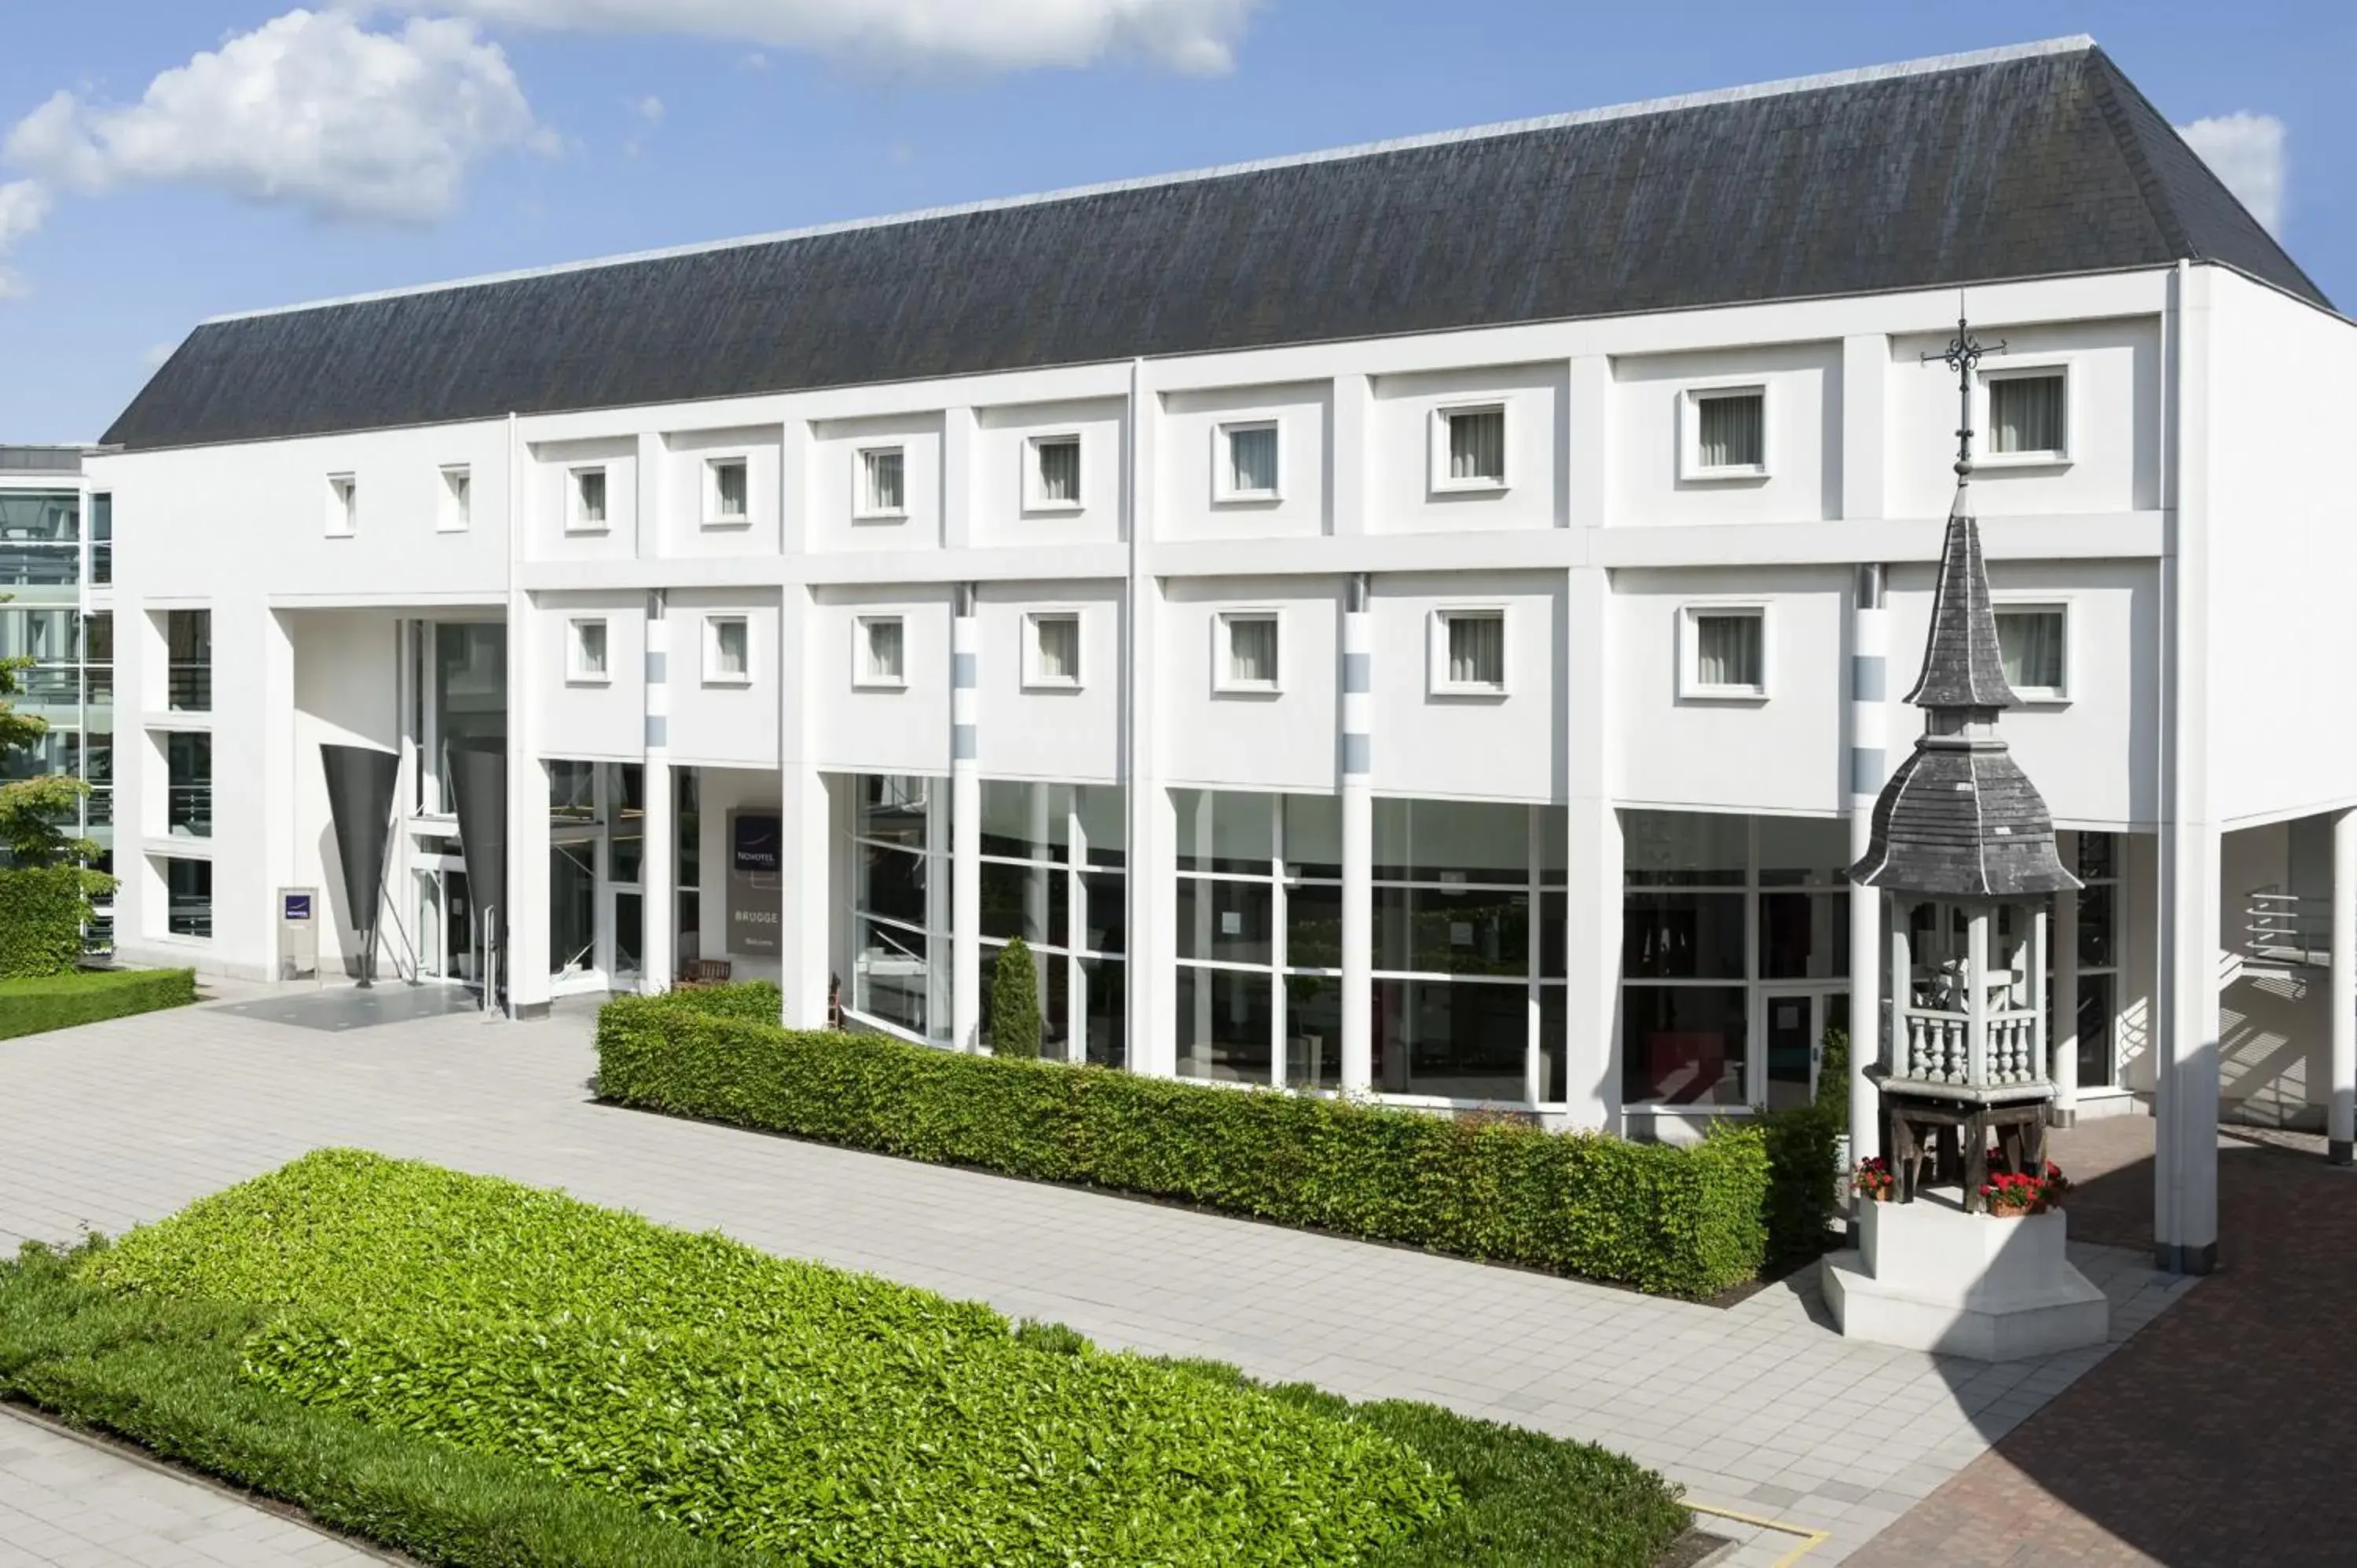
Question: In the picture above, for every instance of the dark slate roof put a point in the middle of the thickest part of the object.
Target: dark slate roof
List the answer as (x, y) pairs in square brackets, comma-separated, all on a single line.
[(1960, 819), (2018, 163)]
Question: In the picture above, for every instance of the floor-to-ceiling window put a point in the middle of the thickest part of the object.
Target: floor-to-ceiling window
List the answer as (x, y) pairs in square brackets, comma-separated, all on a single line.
[(899, 855), (573, 834), (1734, 956), (2098, 865), (1054, 873)]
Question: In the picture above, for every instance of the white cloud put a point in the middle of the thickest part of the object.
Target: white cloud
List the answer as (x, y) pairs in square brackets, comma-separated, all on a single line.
[(311, 109), (23, 207), (649, 109), (1197, 36), (2246, 151)]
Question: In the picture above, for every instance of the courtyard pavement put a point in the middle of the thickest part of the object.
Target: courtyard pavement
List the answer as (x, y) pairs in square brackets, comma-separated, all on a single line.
[(1760, 1410)]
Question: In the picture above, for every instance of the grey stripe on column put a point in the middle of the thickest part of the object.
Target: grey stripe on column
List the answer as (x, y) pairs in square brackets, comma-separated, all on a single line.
[(962, 671), (962, 743), (1868, 772), (1358, 673), (658, 730), (656, 662), (1358, 753), (1868, 677)]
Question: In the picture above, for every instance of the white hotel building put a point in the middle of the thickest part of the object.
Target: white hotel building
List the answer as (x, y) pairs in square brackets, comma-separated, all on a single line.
[(1409, 619)]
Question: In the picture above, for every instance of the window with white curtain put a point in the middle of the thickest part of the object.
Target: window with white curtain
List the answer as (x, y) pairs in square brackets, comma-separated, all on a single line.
[(1472, 449), (728, 497), (1248, 462), (883, 482), (1055, 652), (879, 650), (2034, 641), (589, 498), (727, 650), (2028, 413), (1056, 471), (1725, 653), (586, 659), (1245, 658), (1731, 430), (1470, 652)]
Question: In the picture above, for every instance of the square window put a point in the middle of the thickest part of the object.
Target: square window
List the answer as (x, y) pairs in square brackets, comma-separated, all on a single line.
[(2029, 414), (883, 482), (2034, 641), (1469, 654), (343, 506), (728, 651), (586, 660), (457, 509), (1245, 460), (878, 652), (188, 896), (1724, 433), (1054, 656), (727, 499), (589, 499), (1724, 653), (1470, 448), (1245, 651), (1055, 473)]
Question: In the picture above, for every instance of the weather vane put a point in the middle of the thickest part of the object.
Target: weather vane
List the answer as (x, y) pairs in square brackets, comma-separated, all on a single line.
[(1963, 356)]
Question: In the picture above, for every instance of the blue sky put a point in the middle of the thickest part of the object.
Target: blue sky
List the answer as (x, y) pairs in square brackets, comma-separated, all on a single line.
[(162, 161)]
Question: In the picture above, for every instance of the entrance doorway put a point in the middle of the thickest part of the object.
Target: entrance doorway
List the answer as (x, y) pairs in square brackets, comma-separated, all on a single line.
[(1793, 1025)]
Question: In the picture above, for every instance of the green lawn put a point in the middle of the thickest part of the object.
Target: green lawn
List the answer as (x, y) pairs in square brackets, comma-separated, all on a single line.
[(481, 1373), (29, 1006)]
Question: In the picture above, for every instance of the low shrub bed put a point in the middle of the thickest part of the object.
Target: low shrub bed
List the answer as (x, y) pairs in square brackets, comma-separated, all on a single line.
[(482, 1373), (1673, 1222), (29, 1006)]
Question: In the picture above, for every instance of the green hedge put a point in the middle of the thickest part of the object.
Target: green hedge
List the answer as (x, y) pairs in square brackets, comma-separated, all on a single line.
[(1673, 1222), (41, 911), (88, 995), (1804, 1177), (393, 1317)]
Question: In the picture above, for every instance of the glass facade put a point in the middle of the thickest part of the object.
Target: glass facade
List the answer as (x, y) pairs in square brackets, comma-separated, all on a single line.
[(69, 682), (2098, 865), (1260, 937), (899, 855), (1055, 873)]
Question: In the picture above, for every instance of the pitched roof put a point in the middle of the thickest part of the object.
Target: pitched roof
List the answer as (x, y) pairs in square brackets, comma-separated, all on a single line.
[(2025, 162)]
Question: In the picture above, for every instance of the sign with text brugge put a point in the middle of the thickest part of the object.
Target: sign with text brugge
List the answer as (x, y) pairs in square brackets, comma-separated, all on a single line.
[(756, 880)]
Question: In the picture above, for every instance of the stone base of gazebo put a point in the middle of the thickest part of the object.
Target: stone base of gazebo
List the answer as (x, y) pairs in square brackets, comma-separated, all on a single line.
[(1928, 1276)]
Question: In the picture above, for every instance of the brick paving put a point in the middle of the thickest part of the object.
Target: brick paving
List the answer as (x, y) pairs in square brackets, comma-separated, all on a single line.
[(1760, 1409), (2219, 1436)]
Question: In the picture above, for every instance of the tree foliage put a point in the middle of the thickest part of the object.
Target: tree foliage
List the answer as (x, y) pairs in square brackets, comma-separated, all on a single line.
[(1015, 1001), (37, 814)]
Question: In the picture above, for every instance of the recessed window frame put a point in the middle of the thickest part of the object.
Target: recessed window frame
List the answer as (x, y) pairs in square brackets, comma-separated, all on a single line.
[(1034, 498), (576, 501), (1692, 688), (714, 627), (1034, 675), (862, 676), (1224, 468), (1692, 469), (2064, 605), (864, 507), (578, 670), (455, 502), (1442, 481), (343, 510), (1223, 679), (1437, 683), (1985, 451), (713, 517)]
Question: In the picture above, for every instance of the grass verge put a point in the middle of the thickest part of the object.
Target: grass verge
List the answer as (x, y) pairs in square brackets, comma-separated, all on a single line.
[(31, 1006)]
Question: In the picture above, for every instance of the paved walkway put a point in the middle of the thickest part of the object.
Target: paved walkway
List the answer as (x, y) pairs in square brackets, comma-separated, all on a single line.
[(1760, 1409)]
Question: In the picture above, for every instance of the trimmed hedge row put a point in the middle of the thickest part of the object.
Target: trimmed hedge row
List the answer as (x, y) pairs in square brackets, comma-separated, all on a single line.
[(41, 910), (86, 996), (1683, 1222)]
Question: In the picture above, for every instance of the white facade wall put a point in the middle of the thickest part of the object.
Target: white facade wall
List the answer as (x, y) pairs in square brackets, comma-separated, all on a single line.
[(1595, 547)]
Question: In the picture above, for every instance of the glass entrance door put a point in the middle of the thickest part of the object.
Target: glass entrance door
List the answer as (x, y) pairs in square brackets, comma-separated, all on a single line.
[(1792, 1027)]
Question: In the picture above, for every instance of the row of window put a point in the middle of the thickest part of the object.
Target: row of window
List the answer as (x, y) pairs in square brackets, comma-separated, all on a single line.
[(1722, 436)]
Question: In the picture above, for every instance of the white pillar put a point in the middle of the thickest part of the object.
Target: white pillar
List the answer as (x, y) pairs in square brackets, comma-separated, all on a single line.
[(965, 827), (2340, 1109), (1358, 839), (1595, 873), (2062, 1050), (1869, 768), (523, 924), (658, 858)]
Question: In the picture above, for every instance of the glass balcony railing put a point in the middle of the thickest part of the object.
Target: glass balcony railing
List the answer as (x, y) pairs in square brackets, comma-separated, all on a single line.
[(188, 811), (189, 686), (50, 683), (39, 566)]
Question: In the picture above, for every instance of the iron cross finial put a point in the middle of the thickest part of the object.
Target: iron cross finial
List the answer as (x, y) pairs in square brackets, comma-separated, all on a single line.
[(1964, 356)]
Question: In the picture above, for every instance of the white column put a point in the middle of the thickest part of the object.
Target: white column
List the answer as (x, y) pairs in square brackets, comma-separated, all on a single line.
[(965, 827), (1595, 873), (2062, 1050), (1869, 768), (805, 830), (2340, 1109), (1358, 839), (523, 924), (658, 858)]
